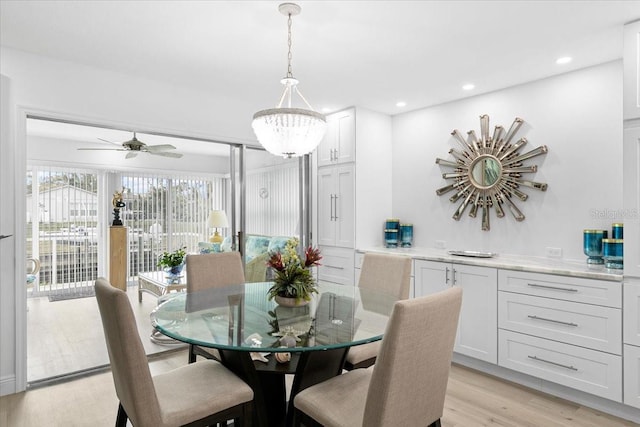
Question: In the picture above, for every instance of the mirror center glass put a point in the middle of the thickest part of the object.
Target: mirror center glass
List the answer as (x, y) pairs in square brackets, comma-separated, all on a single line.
[(485, 171)]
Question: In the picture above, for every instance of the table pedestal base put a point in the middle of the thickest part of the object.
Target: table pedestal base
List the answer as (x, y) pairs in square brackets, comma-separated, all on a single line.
[(268, 382)]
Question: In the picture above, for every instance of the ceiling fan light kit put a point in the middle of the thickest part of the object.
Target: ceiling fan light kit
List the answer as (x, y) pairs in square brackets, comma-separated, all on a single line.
[(289, 132)]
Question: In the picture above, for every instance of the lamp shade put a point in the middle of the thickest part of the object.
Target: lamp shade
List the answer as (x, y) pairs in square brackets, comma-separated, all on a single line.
[(218, 219), (289, 132)]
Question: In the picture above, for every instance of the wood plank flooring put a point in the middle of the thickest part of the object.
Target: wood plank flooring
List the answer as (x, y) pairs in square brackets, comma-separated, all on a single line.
[(473, 399)]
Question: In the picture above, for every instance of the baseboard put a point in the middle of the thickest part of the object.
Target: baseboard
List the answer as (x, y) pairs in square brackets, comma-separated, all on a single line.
[(604, 405), (7, 385)]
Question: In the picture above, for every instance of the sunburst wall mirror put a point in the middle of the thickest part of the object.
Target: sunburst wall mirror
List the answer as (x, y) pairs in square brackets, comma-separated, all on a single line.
[(488, 171)]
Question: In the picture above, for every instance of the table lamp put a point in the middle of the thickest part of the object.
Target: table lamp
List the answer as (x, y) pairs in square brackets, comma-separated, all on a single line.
[(217, 219)]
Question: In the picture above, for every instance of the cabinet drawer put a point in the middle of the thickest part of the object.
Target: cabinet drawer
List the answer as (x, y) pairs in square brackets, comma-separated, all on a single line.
[(587, 370), (590, 291), (337, 265), (591, 326)]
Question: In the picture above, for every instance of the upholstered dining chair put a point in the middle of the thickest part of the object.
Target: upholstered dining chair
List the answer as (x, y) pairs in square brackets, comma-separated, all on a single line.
[(384, 273), (197, 394), (208, 271), (408, 383)]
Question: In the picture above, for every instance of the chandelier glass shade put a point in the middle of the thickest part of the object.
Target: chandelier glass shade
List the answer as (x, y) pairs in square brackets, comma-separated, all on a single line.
[(287, 131)]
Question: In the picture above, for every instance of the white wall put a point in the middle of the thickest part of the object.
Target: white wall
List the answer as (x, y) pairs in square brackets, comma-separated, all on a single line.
[(577, 115)]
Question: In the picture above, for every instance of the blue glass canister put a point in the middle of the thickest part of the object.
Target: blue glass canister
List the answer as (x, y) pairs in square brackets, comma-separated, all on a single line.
[(392, 224), (592, 245), (391, 238), (617, 230), (406, 235), (612, 253)]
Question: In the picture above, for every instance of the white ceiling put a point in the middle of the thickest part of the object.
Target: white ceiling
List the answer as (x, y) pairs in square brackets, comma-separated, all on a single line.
[(366, 53)]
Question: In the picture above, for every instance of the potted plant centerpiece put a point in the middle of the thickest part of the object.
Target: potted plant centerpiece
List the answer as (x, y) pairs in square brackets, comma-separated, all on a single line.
[(293, 283), (173, 263)]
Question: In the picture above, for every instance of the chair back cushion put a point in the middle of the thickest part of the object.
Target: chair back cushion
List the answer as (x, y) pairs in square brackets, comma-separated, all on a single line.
[(409, 379), (386, 273), (129, 365), (214, 270)]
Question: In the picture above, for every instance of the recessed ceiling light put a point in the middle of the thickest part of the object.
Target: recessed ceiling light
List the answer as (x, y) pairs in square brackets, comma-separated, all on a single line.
[(401, 104), (468, 86), (327, 110), (563, 60)]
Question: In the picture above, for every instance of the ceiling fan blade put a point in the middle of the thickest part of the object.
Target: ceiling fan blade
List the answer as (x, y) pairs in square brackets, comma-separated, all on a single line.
[(131, 155), (166, 154), (102, 149), (110, 142), (161, 147)]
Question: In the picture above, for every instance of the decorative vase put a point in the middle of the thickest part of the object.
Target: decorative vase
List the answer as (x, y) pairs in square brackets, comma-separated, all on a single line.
[(290, 302), (173, 274), (592, 245)]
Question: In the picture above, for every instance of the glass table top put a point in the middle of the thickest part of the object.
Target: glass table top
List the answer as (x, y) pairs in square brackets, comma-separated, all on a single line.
[(241, 317)]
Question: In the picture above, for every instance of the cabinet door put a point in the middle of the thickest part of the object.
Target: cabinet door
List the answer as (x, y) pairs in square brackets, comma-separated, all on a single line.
[(326, 148), (477, 334), (346, 136), (631, 313), (631, 201), (477, 331), (431, 277), (631, 71), (326, 215), (338, 144), (344, 203), (632, 375)]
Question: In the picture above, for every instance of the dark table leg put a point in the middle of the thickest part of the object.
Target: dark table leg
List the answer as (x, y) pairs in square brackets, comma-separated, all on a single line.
[(268, 381)]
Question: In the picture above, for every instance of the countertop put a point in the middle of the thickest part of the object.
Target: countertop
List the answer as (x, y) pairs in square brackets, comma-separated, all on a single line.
[(510, 262)]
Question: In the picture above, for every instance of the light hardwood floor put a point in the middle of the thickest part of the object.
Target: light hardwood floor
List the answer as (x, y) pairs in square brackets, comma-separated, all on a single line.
[(473, 399), (66, 336)]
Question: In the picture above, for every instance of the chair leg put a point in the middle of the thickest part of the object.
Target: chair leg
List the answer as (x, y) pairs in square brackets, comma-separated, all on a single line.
[(436, 423), (192, 354), (121, 419)]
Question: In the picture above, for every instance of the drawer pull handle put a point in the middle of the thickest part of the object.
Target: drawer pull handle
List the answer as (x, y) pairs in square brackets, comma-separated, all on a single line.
[(335, 266), (535, 285), (552, 363), (552, 320)]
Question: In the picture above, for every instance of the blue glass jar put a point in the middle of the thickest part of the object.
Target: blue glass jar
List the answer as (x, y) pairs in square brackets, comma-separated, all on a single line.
[(391, 238), (392, 224), (406, 235), (617, 230), (612, 252), (592, 245)]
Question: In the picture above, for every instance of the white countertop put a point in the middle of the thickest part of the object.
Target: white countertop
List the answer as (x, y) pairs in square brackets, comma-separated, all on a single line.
[(510, 262)]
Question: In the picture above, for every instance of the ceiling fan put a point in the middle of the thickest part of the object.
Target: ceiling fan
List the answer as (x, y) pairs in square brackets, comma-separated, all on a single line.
[(135, 146)]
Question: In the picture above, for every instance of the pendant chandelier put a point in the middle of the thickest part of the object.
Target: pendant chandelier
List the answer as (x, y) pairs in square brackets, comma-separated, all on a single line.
[(287, 131)]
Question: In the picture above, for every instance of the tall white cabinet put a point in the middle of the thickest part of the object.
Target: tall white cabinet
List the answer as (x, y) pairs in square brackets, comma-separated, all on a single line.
[(631, 193), (353, 189)]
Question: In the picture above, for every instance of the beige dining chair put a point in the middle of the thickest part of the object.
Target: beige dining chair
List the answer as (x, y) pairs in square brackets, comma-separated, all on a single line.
[(408, 383), (214, 270), (197, 394), (390, 274)]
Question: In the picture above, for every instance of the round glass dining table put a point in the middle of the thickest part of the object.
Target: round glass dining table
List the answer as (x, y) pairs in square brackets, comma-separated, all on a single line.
[(251, 333)]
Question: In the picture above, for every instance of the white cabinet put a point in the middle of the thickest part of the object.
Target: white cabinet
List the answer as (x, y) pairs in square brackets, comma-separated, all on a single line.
[(336, 265), (632, 375), (336, 212), (477, 328), (338, 144), (631, 198), (566, 330), (632, 313), (631, 149), (632, 343), (631, 71)]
